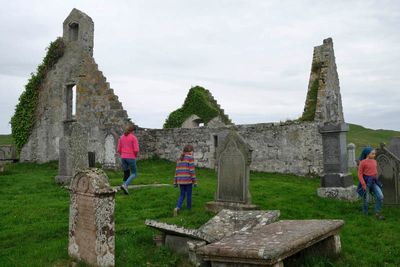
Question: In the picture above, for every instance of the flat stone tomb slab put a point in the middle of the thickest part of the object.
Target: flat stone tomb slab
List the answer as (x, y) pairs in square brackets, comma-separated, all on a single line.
[(270, 244)]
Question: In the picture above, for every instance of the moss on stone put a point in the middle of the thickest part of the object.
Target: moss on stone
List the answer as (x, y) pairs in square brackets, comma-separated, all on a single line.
[(200, 102), (312, 95)]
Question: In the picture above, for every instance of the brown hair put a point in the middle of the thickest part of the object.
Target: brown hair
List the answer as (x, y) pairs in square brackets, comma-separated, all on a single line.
[(129, 128), (187, 148)]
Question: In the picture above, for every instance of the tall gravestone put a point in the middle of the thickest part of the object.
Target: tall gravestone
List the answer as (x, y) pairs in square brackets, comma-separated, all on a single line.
[(91, 218), (394, 146), (73, 151), (389, 174), (233, 167)]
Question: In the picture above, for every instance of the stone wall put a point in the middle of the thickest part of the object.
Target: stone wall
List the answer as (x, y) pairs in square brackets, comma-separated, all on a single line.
[(277, 147), (97, 107)]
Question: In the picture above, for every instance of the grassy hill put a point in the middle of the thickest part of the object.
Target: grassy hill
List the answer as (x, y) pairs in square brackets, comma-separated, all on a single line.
[(361, 136), (6, 139)]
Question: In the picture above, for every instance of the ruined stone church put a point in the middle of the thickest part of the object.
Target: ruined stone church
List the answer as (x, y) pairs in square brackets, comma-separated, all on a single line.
[(75, 89)]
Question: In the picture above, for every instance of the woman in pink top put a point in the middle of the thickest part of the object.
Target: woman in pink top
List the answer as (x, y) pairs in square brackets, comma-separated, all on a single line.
[(368, 177), (128, 149)]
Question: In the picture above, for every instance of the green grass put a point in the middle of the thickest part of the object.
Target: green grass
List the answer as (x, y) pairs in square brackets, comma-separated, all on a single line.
[(6, 139), (362, 137), (34, 216)]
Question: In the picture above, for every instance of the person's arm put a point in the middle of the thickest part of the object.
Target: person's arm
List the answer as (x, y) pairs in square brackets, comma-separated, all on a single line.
[(192, 170), (360, 174), (119, 147), (135, 146)]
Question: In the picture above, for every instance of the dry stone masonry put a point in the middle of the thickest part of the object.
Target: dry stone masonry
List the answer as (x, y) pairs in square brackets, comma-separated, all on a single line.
[(91, 219)]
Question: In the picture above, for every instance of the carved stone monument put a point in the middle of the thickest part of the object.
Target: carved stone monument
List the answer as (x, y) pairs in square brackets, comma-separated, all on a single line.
[(389, 174), (394, 146), (91, 218), (233, 167), (351, 155), (73, 152)]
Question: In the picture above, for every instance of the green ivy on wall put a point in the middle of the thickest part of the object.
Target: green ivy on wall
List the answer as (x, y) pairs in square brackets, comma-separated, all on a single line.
[(312, 95), (198, 102), (24, 118)]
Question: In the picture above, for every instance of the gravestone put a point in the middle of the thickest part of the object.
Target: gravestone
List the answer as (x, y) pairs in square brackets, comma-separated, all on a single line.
[(91, 218), (394, 146), (73, 152), (389, 174), (109, 152), (8, 154), (351, 155), (233, 167), (336, 182)]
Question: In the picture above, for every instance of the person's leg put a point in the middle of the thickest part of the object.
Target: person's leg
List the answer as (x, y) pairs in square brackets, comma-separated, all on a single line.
[(365, 201), (182, 190), (189, 197), (378, 197), (132, 165)]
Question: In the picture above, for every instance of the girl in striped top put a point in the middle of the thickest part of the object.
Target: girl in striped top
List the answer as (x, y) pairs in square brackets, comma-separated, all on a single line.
[(185, 177)]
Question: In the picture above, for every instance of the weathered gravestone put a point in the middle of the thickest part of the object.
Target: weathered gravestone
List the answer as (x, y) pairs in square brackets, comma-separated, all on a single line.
[(394, 146), (336, 182), (233, 167), (91, 218), (389, 174), (73, 152), (351, 155)]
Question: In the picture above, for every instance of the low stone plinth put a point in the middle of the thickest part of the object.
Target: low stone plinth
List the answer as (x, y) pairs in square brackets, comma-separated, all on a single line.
[(270, 244), (341, 193), (217, 206)]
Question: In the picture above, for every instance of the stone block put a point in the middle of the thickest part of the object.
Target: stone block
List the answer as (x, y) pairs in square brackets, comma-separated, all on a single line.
[(342, 193)]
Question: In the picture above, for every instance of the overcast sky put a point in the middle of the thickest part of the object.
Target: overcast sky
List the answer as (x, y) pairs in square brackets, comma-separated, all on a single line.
[(254, 56)]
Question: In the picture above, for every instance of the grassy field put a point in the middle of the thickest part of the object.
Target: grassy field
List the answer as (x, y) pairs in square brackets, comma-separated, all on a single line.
[(6, 139), (34, 217)]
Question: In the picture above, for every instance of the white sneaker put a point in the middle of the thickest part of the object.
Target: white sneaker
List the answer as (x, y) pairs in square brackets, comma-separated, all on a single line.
[(125, 188)]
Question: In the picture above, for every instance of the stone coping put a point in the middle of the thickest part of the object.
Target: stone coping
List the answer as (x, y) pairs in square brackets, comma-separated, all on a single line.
[(270, 243)]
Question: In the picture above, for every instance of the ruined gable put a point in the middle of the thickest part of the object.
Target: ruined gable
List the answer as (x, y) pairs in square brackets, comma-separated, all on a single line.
[(324, 102), (75, 89), (199, 109)]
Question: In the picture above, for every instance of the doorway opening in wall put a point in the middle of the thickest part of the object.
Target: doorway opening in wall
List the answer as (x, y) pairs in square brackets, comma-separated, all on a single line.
[(73, 31), (71, 101), (215, 141)]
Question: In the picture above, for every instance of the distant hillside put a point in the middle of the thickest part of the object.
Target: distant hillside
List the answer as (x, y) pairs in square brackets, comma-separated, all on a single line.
[(362, 137), (6, 139)]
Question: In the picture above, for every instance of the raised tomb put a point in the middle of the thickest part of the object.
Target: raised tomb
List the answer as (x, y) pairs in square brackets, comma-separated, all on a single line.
[(75, 89)]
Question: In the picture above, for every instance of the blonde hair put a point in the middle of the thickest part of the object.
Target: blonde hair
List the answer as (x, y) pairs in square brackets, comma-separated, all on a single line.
[(129, 129)]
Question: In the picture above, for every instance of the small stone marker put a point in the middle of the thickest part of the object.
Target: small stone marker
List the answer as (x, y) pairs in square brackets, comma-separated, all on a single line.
[(351, 155), (389, 174), (233, 166), (91, 218), (73, 152)]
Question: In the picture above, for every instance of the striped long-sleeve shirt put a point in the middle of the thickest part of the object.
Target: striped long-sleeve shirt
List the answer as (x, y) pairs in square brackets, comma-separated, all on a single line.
[(185, 171)]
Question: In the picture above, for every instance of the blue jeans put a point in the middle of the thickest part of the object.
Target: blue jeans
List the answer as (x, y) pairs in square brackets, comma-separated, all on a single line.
[(186, 189), (126, 165), (376, 191)]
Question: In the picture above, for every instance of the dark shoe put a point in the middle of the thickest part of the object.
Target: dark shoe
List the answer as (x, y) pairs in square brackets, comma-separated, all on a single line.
[(125, 189), (379, 217), (126, 175)]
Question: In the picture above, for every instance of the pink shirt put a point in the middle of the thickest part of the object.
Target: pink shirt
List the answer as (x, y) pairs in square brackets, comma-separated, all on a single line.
[(128, 146), (367, 167)]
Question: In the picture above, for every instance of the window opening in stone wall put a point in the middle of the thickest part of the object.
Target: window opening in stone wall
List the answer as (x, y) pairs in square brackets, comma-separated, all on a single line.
[(73, 31), (215, 141), (201, 124), (71, 101)]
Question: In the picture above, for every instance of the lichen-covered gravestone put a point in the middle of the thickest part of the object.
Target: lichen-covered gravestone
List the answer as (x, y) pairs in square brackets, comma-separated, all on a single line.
[(91, 218), (233, 159), (394, 146), (389, 174), (73, 152)]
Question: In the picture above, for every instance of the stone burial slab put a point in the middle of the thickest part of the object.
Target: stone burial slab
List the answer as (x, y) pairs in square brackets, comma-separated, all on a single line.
[(91, 218), (233, 166), (270, 244)]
